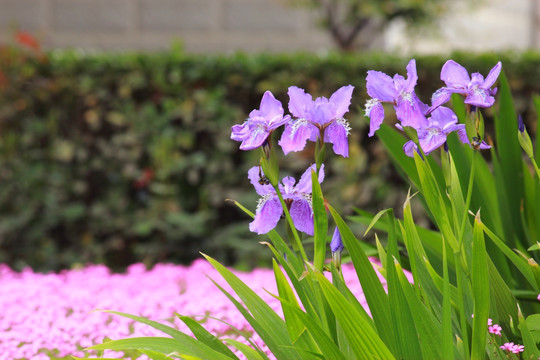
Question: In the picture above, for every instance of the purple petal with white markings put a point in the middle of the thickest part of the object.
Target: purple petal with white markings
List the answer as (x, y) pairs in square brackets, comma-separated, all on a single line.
[(295, 136), (267, 216), (376, 117), (256, 138), (240, 132), (336, 134), (480, 97), (409, 113)]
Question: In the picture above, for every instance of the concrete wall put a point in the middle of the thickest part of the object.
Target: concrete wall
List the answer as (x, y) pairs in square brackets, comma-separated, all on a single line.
[(253, 25), (470, 25), (202, 25)]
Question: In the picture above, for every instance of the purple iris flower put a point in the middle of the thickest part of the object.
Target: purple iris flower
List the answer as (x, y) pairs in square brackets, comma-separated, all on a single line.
[(257, 128), (442, 122), (297, 197), (397, 91), (336, 245), (521, 124), (476, 89), (315, 119)]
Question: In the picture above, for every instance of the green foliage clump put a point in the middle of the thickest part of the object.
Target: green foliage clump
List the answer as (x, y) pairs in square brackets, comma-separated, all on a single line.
[(122, 158)]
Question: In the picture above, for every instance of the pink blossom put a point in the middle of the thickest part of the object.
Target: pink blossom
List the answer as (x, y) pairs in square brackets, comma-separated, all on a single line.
[(52, 315), (510, 347), (495, 329)]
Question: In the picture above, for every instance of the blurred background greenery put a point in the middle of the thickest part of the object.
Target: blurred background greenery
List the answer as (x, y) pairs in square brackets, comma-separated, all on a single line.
[(122, 158)]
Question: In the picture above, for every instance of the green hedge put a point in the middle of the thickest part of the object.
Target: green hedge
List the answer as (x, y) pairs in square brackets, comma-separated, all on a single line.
[(124, 158)]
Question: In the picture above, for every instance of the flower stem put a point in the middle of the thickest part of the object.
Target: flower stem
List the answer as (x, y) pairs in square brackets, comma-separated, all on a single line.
[(295, 240), (469, 196), (461, 304), (533, 161), (320, 153)]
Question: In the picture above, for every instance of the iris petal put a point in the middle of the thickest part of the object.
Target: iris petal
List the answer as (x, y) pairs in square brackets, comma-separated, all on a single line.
[(455, 75), (409, 113), (432, 141), (376, 117), (304, 184), (302, 216), (336, 134), (267, 216), (480, 97), (254, 176), (492, 76), (341, 100), (381, 86), (255, 139), (240, 132), (270, 107), (409, 148), (295, 136), (412, 76), (299, 102)]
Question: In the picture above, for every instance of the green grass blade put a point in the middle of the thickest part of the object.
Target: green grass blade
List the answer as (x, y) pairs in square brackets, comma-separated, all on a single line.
[(520, 263), (324, 342), (536, 100), (407, 344), (430, 238), (427, 326), (503, 303), (447, 337), (178, 335), (155, 355), (162, 345), (266, 336), (175, 334), (381, 251), (320, 222), (373, 290), (365, 343), (375, 219), (529, 341), (270, 326), (435, 200), (295, 327), (304, 290), (530, 211), (510, 159), (480, 290), (206, 337), (249, 353), (484, 183), (278, 242), (339, 283), (393, 141)]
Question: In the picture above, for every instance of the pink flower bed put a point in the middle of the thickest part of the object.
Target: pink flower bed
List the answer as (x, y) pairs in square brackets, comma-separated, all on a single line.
[(50, 316)]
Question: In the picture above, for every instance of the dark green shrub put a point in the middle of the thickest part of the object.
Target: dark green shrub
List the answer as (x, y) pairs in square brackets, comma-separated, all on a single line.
[(124, 158)]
